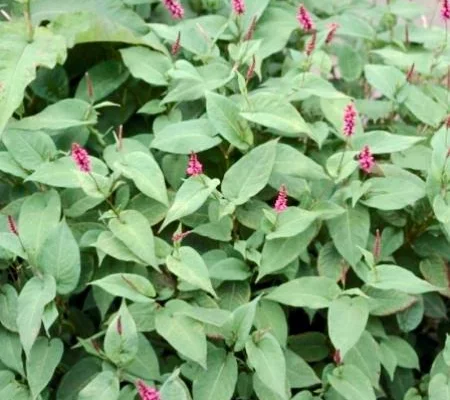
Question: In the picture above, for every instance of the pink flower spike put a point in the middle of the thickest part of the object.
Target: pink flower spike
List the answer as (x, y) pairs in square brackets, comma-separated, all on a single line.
[(195, 167), (445, 10), (176, 46), (366, 160), (304, 19), (251, 69), (251, 29), (281, 201), (238, 6), (146, 392), (178, 237), (350, 115), (81, 158), (331, 33), (175, 8), (12, 226), (311, 44)]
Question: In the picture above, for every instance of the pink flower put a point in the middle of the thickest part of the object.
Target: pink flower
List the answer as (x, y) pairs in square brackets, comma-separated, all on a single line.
[(178, 237), (331, 33), (175, 8), (176, 46), (311, 44), (366, 160), (350, 115), (251, 69), (281, 201), (238, 6), (146, 392), (12, 226), (445, 10), (251, 30), (81, 158), (194, 166), (304, 19)]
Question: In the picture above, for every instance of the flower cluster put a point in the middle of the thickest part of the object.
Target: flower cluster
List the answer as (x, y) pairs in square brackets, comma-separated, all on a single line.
[(350, 115), (176, 46), (366, 159), (81, 158), (304, 19), (238, 6), (12, 226), (146, 392), (445, 10), (175, 8), (311, 44), (281, 201), (194, 167), (331, 33)]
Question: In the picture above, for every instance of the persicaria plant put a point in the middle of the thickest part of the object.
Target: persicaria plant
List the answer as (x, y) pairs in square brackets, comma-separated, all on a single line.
[(224, 200)]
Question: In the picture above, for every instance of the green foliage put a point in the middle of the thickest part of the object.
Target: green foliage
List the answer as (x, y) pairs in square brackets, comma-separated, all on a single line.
[(216, 235)]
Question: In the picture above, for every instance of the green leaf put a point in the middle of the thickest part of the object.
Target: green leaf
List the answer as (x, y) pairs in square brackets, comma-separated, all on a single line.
[(121, 339), (105, 386), (108, 244), (439, 388), (404, 352), (311, 292), (174, 388), (190, 197), (386, 79), (189, 266), (351, 383), (60, 258), (349, 231), (219, 380), (229, 269), (233, 294), (11, 354), (300, 374), (424, 108), (183, 333), (21, 57), (271, 316), (134, 231), (8, 307), (223, 113), (350, 62), (39, 216), (388, 360), (387, 302), (275, 112), (145, 364), (68, 113), (148, 65), (381, 142), (291, 222), (311, 346), (347, 319), (129, 286), (9, 166), (29, 149), (397, 278), (144, 171), (250, 174), (35, 295), (45, 355), (267, 358), (436, 271), (184, 137)]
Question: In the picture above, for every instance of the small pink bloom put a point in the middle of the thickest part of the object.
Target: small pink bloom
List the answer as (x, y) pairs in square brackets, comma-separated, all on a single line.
[(194, 166), (12, 226), (251, 69), (119, 326), (332, 32), (447, 122), (178, 237), (238, 6), (146, 392), (337, 357), (311, 44), (176, 46), (175, 8), (81, 158), (366, 160), (410, 73), (281, 201), (350, 115), (304, 19), (251, 30), (445, 10)]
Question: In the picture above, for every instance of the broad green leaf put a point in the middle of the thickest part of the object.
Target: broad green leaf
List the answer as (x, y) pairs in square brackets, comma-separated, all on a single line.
[(388, 360), (271, 316), (44, 357), (291, 222), (134, 231), (121, 339), (349, 231), (107, 243), (8, 307), (183, 333), (223, 113), (312, 292), (60, 257), (129, 286), (436, 271), (189, 266), (219, 380), (439, 388), (351, 62), (145, 365), (229, 269), (300, 374), (9, 166), (404, 352), (105, 386), (424, 108), (351, 383), (233, 294), (347, 319), (148, 65), (250, 174), (275, 112), (11, 354), (267, 358), (190, 197), (264, 391), (311, 346), (68, 113), (386, 79), (397, 278), (184, 137), (35, 295), (19, 62), (330, 263), (381, 142), (39, 216), (174, 388), (144, 171), (387, 302)]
